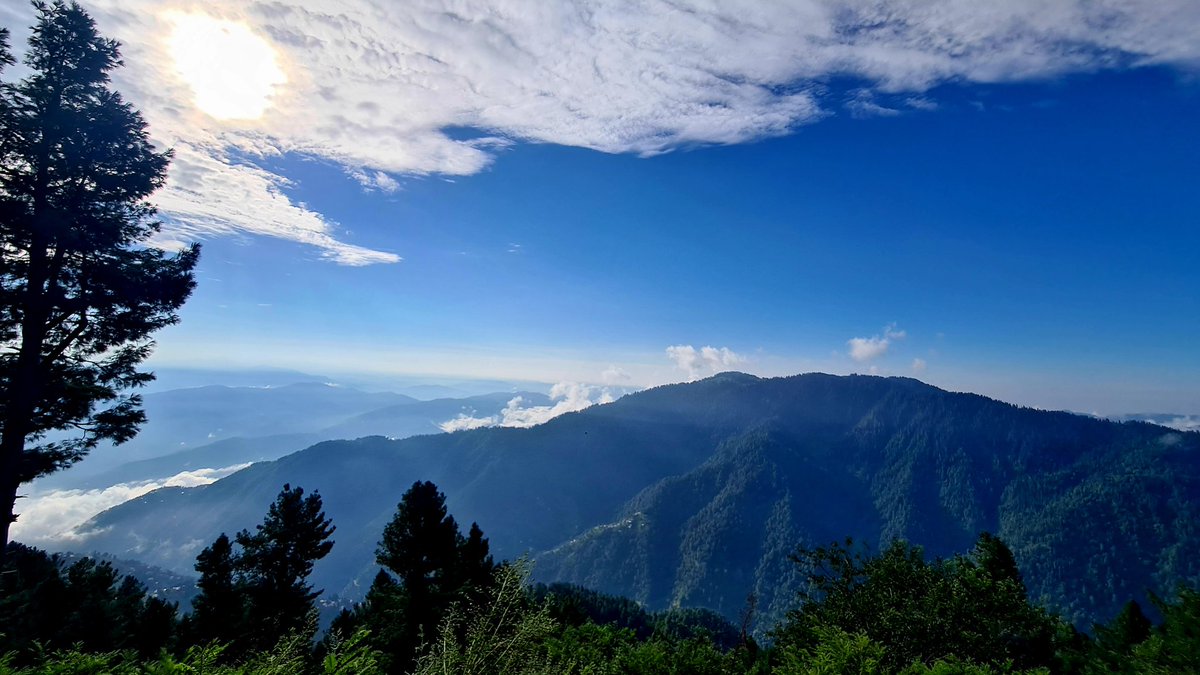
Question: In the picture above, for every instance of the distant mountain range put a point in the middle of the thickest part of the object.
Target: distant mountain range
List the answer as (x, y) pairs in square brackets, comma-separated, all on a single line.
[(216, 426), (694, 494)]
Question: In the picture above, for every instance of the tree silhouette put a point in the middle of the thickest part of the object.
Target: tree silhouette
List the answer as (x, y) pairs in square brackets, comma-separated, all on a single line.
[(420, 543), (274, 565), (47, 604), (219, 611), (433, 565), (80, 292)]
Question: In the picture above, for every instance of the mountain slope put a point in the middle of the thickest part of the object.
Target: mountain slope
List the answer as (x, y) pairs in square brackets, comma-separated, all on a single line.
[(693, 494)]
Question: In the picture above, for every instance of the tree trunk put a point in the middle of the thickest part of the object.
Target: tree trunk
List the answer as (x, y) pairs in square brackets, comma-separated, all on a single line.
[(23, 392), (8, 504)]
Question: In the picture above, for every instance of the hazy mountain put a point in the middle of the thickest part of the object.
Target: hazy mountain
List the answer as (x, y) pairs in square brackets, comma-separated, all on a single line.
[(185, 419), (429, 392), (410, 418), (228, 452), (166, 379), (425, 417), (694, 493)]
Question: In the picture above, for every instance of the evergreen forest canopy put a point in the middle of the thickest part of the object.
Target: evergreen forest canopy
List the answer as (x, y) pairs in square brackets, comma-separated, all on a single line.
[(441, 604)]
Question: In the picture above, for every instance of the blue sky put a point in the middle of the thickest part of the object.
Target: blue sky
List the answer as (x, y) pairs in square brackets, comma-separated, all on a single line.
[(999, 199), (1037, 241)]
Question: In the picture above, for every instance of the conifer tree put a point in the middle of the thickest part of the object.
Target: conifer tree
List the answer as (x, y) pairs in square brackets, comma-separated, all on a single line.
[(475, 565), (433, 565), (218, 612), (80, 292), (275, 562), (420, 543)]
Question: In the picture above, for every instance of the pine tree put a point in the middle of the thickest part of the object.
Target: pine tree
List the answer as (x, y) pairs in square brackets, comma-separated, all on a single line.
[(996, 559), (274, 565), (1113, 648), (218, 612), (476, 567), (80, 292), (420, 544), (434, 567)]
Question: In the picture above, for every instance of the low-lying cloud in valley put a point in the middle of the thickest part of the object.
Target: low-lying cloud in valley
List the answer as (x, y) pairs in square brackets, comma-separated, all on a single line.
[(50, 519)]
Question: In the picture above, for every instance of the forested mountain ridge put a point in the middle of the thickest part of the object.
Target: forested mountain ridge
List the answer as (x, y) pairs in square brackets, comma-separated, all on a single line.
[(693, 494)]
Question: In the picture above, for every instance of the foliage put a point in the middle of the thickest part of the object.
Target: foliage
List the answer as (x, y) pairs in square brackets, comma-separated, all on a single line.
[(287, 657), (219, 610), (353, 656), (573, 605), (80, 292), (45, 605), (500, 637), (973, 607), (892, 612), (275, 562), (430, 567), (255, 596), (1174, 646), (607, 650), (833, 651), (1114, 643)]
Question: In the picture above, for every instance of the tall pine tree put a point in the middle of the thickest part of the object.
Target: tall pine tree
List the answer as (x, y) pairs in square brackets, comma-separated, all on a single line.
[(80, 292), (219, 610), (275, 562), (430, 565)]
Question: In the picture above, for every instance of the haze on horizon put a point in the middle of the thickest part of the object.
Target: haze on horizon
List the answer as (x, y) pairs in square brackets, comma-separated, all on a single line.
[(993, 199)]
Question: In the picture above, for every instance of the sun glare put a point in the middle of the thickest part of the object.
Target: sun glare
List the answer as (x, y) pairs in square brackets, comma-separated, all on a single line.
[(232, 71)]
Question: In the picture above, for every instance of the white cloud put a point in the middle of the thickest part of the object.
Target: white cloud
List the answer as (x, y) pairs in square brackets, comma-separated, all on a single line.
[(867, 349), (697, 362), (871, 348), (376, 180), (373, 85), (465, 422), (568, 397), (50, 519), (1181, 423), (210, 195), (863, 104), (615, 375), (919, 365)]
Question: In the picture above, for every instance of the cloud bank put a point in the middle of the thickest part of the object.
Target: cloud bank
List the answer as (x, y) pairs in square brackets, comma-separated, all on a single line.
[(384, 90), (568, 397), (1177, 422), (50, 519), (704, 361)]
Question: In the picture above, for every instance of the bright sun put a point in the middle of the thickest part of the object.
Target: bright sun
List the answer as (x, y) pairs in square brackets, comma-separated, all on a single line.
[(232, 71)]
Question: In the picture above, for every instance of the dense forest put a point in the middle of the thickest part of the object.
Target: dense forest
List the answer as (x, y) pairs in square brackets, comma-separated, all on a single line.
[(440, 603)]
